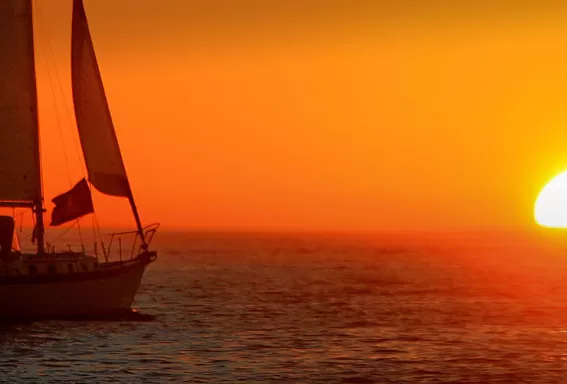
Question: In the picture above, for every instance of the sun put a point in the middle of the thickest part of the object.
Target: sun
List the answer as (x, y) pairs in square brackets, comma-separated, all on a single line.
[(551, 205)]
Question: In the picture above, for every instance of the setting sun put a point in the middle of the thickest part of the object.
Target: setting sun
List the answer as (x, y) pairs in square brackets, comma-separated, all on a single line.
[(551, 205)]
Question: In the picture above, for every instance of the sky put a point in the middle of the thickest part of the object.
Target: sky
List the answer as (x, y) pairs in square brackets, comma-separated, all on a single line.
[(320, 117)]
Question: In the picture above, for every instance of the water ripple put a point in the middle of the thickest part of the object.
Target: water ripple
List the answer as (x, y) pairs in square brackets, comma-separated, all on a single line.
[(290, 310)]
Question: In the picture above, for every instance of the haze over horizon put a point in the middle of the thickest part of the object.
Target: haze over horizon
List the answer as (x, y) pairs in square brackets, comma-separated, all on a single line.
[(334, 118)]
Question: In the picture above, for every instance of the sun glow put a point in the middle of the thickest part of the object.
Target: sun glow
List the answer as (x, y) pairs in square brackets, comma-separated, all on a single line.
[(551, 205)]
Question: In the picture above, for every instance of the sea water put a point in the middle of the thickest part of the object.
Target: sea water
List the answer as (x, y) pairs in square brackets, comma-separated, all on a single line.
[(277, 308)]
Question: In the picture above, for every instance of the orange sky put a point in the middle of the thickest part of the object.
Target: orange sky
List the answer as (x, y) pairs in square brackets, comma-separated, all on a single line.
[(341, 121)]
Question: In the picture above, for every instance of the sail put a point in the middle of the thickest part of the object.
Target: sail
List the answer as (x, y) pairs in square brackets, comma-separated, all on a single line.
[(100, 146), (20, 179)]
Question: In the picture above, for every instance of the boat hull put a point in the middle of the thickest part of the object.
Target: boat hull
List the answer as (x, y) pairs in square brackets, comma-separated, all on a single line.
[(109, 290)]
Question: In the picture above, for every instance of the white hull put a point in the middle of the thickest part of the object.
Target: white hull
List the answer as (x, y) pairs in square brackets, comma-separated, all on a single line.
[(109, 290)]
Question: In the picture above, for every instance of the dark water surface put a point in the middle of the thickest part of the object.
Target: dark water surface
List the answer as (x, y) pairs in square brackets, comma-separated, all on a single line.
[(288, 309)]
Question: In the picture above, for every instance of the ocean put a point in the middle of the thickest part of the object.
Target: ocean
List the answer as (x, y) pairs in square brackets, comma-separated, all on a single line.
[(284, 308)]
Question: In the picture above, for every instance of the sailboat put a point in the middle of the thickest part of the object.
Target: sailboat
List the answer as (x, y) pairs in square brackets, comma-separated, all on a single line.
[(46, 282)]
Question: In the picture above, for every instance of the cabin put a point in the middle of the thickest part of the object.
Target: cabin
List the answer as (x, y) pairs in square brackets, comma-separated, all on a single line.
[(15, 263)]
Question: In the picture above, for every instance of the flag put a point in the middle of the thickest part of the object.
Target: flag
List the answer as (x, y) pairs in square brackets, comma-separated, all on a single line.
[(72, 204)]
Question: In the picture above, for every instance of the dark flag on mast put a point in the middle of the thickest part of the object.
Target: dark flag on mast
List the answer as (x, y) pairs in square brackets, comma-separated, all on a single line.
[(73, 204)]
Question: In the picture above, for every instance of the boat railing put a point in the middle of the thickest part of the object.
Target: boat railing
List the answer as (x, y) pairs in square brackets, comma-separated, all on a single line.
[(129, 243), (116, 246), (68, 249)]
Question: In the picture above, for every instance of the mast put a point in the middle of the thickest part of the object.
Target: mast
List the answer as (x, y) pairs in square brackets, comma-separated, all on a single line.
[(38, 210), (39, 227)]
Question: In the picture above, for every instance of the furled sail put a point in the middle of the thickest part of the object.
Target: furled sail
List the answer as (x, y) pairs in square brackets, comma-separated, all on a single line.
[(96, 131), (20, 179)]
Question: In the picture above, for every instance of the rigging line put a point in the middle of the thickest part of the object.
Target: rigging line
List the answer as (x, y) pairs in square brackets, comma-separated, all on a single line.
[(49, 48), (69, 116), (65, 232), (26, 237), (65, 104), (101, 238), (57, 117), (43, 36), (94, 236)]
